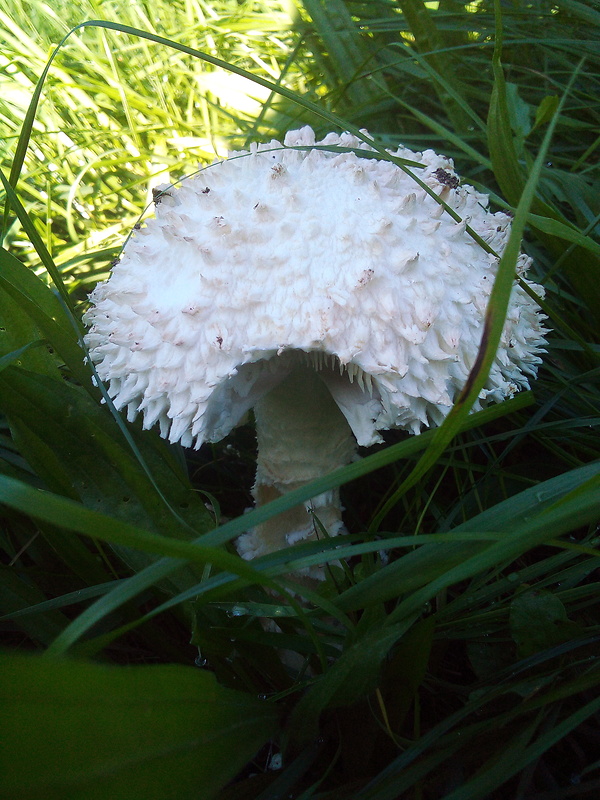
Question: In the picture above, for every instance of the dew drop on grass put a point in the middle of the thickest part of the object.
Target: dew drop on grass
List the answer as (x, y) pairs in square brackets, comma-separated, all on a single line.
[(276, 762)]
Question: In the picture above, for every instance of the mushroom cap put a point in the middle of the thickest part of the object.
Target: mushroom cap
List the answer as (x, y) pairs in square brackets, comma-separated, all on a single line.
[(280, 256)]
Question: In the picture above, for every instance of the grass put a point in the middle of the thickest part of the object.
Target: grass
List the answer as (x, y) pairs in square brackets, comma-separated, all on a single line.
[(456, 654)]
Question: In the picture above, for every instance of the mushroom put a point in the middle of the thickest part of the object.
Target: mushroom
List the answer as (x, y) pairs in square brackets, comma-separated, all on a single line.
[(324, 290)]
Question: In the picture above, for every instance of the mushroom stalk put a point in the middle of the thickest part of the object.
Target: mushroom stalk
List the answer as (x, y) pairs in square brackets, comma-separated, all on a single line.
[(302, 435)]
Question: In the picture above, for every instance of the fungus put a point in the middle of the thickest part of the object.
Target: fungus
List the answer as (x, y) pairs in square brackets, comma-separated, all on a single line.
[(326, 291)]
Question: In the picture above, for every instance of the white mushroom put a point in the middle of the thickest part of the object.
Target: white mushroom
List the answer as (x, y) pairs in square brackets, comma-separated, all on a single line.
[(324, 290)]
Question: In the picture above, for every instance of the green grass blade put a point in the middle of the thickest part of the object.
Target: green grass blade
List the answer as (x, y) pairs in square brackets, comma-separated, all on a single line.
[(519, 754), (554, 227), (509, 518), (33, 299), (40, 247), (347, 51), (61, 602), (16, 355), (66, 513), (163, 568), (492, 331)]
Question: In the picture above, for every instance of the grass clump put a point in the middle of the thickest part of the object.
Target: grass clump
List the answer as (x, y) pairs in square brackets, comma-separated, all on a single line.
[(456, 653)]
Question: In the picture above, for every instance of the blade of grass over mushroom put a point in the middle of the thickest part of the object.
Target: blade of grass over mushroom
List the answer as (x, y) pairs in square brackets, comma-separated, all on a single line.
[(165, 567), (492, 330), (276, 88)]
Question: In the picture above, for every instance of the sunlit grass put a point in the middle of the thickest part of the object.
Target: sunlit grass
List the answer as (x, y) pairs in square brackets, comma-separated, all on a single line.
[(119, 115)]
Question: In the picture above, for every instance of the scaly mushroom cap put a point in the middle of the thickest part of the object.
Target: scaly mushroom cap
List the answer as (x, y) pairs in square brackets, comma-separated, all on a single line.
[(277, 257)]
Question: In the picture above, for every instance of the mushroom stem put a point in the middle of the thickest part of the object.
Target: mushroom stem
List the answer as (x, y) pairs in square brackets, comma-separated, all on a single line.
[(301, 436)]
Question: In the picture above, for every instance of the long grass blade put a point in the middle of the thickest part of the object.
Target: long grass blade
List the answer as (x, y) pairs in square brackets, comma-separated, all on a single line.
[(492, 329)]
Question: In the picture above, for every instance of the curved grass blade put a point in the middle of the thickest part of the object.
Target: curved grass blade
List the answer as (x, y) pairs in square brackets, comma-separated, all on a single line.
[(562, 231), (62, 511), (275, 88), (63, 601)]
